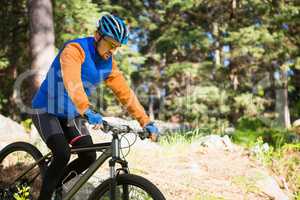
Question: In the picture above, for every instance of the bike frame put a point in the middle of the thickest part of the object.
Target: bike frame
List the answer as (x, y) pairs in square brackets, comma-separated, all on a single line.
[(106, 149), (109, 149)]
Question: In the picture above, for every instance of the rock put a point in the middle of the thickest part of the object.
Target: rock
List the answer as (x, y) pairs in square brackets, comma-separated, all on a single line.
[(11, 131), (296, 123), (217, 142), (229, 130), (212, 141), (227, 142), (269, 186)]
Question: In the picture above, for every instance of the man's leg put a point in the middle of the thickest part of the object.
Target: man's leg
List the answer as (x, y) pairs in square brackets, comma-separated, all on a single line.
[(61, 155), (51, 132), (77, 134), (80, 164)]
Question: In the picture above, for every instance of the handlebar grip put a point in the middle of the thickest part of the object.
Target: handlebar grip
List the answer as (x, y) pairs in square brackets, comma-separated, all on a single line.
[(106, 126), (144, 134)]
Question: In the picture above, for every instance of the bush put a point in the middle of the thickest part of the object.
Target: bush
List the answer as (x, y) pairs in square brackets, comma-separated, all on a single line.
[(282, 154), (274, 137), (247, 123), (250, 129), (286, 162)]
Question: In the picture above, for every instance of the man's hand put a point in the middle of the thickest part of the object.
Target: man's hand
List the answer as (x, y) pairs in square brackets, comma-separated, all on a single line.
[(153, 131), (94, 118)]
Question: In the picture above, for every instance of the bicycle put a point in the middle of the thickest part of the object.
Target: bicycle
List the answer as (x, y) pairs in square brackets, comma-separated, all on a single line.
[(119, 185)]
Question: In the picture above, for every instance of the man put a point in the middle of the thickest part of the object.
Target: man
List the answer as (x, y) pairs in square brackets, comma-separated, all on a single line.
[(63, 98)]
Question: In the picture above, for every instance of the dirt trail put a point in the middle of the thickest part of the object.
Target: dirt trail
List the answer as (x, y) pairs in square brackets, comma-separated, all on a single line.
[(192, 172)]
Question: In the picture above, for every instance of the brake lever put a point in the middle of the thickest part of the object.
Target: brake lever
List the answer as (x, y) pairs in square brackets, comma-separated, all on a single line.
[(143, 134), (106, 126), (129, 129)]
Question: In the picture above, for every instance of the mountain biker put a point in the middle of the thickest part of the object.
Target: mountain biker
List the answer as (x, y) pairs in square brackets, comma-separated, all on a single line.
[(62, 101)]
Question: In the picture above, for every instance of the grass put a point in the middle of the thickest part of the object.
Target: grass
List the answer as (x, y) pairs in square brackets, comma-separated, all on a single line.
[(208, 197), (286, 162), (247, 184), (183, 137)]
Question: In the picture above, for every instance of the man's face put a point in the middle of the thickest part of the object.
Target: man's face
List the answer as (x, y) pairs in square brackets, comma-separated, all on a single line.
[(106, 47)]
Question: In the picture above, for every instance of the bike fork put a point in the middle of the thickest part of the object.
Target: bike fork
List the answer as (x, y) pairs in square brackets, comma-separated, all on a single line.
[(113, 175), (113, 184)]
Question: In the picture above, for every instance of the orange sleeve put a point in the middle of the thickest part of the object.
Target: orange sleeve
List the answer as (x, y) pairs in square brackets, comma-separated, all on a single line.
[(71, 60), (125, 95)]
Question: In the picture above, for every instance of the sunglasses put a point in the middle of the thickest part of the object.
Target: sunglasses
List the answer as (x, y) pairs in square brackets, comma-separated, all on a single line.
[(111, 44)]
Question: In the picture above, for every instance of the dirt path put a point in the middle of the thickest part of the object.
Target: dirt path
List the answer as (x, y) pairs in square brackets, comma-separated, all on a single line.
[(192, 172)]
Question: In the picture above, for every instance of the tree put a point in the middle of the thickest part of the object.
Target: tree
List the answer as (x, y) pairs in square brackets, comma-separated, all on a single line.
[(41, 38), (264, 42), (13, 52), (74, 19)]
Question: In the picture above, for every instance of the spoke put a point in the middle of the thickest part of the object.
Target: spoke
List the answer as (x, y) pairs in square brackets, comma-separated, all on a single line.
[(134, 193)]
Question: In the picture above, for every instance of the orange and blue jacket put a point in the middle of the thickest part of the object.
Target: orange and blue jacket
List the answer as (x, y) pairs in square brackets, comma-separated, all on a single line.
[(73, 76)]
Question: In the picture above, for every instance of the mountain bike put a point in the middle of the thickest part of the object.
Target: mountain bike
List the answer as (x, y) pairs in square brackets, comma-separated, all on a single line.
[(23, 166)]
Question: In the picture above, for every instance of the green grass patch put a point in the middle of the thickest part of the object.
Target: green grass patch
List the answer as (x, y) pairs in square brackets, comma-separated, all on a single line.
[(208, 197), (248, 184), (183, 137)]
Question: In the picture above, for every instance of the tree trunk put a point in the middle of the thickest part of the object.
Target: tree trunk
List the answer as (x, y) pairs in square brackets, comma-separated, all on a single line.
[(41, 38), (282, 104), (282, 108), (216, 45), (217, 55)]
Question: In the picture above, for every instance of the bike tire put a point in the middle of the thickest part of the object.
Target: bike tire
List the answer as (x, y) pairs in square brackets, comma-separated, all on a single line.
[(29, 150), (101, 192)]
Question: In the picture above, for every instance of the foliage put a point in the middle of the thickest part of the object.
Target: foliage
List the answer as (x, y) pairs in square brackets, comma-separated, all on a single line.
[(273, 147), (27, 124), (180, 42), (250, 104), (250, 123), (184, 137), (22, 194), (74, 18), (219, 57), (14, 57), (249, 130), (4, 63), (246, 183), (284, 162)]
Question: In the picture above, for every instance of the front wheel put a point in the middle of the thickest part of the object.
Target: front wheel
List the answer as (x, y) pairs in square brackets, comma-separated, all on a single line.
[(129, 187)]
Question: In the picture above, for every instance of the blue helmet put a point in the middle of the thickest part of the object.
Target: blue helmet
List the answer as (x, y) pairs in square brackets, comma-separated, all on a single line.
[(114, 27)]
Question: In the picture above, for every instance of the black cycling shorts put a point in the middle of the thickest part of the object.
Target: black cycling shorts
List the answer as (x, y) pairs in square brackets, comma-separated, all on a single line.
[(48, 124)]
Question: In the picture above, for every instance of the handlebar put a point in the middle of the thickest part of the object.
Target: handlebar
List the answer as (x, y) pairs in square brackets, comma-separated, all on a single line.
[(143, 134)]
